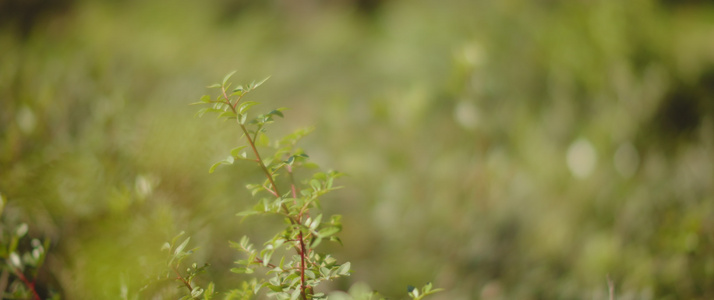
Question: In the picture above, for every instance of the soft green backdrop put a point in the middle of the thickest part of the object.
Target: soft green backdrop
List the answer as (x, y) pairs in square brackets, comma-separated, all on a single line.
[(500, 149)]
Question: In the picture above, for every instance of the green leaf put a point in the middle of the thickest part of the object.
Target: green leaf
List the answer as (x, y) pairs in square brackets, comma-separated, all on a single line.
[(278, 242), (344, 269), (236, 151), (243, 155), (173, 241), (257, 287), (316, 242), (238, 91), (293, 158), (213, 86), (201, 112), (255, 85), (229, 114), (225, 79), (427, 287), (208, 294), (220, 106), (234, 245), (315, 184), (247, 213), (316, 222), (263, 141), (266, 258), (276, 112), (336, 239), (244, 106), (227, 161), (196, 292), (214, 166), (326, 232), (180, 248), (242, 270), (275, 287)]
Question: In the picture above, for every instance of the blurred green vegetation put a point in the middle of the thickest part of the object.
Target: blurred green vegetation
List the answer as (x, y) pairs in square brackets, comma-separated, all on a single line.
[(501, 149)]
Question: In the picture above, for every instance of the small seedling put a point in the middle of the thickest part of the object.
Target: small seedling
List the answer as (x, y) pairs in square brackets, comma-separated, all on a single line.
[(296, 200)]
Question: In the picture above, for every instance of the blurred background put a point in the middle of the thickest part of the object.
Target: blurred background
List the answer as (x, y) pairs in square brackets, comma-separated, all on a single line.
[(499, 149)]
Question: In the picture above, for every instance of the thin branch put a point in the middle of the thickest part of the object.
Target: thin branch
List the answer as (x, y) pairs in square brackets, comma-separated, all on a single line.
[(302, 267), (259, 160), (30, 284), (257, 131), (260, 261), (293, 187), (270, 191), (182, 279)]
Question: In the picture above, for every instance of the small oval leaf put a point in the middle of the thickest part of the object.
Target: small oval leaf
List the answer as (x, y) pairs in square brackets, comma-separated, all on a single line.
[(225, 79)]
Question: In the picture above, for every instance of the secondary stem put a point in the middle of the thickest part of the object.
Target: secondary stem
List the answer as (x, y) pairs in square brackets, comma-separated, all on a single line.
[(259, 160)]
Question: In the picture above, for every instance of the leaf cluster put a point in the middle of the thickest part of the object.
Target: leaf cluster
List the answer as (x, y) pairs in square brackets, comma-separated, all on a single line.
[(177, 254)]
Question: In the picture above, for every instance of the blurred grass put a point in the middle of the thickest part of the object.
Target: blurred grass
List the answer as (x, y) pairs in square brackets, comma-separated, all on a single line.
[(503, 150)]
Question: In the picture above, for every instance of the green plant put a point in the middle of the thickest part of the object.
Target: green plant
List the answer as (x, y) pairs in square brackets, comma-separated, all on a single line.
[(20, 267), (177, 254), (418, 294), (290, 276)]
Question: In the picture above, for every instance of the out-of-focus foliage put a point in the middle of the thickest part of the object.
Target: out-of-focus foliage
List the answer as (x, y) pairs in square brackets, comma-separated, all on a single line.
[(501, 149)]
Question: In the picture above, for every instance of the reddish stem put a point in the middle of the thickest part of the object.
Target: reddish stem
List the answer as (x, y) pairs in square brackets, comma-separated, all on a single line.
[(30, 285), (293, 220), (185, 282), (302, 266), (271, 191), (292, 181), (293, 189), (260, 261)]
